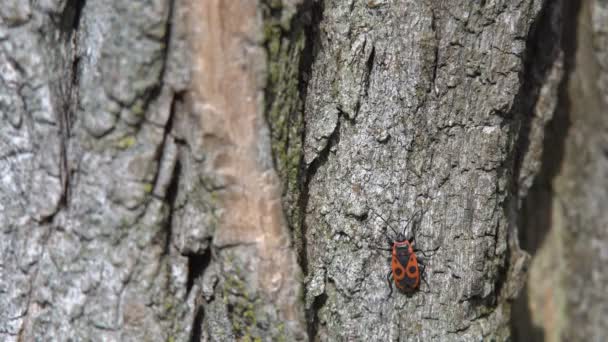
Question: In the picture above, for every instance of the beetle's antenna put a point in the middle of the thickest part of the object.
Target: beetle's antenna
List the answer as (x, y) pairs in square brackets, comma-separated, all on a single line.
[(388, 238), (409, 221), (385, 221), (413, 219)]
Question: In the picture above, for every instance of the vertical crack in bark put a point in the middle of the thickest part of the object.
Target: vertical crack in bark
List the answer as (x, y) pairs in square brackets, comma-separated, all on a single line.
[(369, 67), (167, 38), (435, 29), (70, 18), (197, 263), (535, 216), (313, 323), (313, 10), (197, 325), (69, 24)]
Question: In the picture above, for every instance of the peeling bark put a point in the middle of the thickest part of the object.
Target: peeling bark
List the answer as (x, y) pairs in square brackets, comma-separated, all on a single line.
[(258, 289)]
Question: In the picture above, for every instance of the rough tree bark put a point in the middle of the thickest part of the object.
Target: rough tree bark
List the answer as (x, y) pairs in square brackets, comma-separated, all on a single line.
[(188, 170), (415, 106), (564, 221), (88, 95), (135, 136)]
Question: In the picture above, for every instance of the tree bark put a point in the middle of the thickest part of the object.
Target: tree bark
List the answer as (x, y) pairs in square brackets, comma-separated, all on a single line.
[(88, 98), (415, 107), (563, 217), (221, 170), (141, 201)]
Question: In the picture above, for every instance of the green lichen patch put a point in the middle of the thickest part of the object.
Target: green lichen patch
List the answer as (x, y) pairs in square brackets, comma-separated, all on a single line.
[(241, 307), (284, 41), (126, 142), (148, 187), (251, 316)]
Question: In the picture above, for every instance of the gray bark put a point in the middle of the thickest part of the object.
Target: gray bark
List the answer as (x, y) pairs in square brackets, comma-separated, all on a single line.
[(415, 106), (216, 170), (139, 199), (564, 214), (87, 99)]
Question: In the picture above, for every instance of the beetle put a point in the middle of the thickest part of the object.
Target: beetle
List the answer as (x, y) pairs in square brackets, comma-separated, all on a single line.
[(407, 269)]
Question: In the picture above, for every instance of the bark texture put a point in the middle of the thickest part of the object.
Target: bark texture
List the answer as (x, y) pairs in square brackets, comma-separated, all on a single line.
[(216, 170), (252, 288), (139, 195), (87, 97), (414, 106), (564, 216)]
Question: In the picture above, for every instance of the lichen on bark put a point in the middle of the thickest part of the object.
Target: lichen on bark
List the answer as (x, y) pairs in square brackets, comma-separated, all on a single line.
[(284, 40)]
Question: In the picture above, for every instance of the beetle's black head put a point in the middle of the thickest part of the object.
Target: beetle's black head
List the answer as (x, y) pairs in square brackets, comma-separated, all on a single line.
[(401, 238)]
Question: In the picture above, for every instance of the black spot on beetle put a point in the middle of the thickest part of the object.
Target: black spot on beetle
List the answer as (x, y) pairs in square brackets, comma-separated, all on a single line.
[(412, 269), (398, 272), (407, 282)]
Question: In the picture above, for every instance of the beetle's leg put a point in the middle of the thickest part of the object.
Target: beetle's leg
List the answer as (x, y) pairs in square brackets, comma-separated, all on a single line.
[(382, 248), (422, 268), (390, 283), (420, 251)]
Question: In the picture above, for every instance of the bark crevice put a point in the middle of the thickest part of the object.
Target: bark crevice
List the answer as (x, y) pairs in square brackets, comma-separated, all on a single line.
[(197, 264), (313, 315), (311, 16), (70, 18), (536, 210), (197, 325)]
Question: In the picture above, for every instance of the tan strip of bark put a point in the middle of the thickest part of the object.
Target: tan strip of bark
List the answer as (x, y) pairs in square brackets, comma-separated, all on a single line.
[(228, 93)]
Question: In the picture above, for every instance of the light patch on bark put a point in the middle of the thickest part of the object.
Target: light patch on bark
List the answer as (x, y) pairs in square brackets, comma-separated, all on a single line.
[(228, 94)]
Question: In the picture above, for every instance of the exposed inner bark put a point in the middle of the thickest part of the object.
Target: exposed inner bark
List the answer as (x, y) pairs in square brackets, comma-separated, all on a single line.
[(252, 238)]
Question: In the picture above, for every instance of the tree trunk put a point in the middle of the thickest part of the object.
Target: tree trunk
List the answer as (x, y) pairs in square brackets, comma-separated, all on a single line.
[(222, 170), (564, 214), (415, 107)]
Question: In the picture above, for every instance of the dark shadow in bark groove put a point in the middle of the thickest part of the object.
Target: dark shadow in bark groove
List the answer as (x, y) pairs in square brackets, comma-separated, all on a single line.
[(313, 324), (312, 15), (309, 54), (536, 212), (197, 263), (68, 23), (70, 18), (197, 325)]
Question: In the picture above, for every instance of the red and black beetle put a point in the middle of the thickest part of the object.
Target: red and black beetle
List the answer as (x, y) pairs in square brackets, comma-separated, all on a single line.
[(406, 268)]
